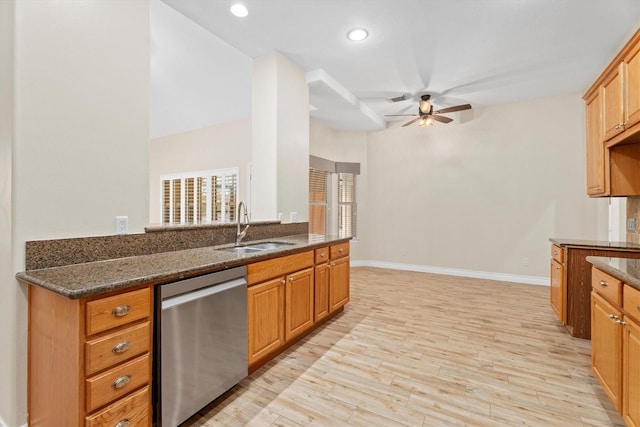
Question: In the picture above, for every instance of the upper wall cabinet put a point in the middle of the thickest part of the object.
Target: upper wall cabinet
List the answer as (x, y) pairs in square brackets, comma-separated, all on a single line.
[(613, 126)]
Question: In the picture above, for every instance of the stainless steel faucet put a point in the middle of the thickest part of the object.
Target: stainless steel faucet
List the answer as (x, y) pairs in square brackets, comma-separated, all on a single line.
[(240, 235)]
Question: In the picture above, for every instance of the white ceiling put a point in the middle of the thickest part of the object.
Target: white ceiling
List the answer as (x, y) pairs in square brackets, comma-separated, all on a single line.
[(483, 52)]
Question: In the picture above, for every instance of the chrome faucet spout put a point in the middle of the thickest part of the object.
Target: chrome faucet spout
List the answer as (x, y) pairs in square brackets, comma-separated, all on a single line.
[(241, 234)]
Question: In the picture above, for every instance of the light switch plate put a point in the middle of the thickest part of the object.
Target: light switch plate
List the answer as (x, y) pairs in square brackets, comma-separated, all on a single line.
[(631, 224)]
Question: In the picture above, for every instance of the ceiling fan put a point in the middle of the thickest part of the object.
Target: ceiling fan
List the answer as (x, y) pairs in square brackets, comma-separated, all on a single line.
[(426, 115)]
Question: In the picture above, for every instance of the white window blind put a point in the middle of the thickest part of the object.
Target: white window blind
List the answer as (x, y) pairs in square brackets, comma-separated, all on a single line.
[(200, 197), (332, 213), (347, 207), (319, 217)]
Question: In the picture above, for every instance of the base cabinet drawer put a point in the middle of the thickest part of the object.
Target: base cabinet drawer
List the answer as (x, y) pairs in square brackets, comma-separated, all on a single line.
[(132, 411), (117, 382), (104, 352)]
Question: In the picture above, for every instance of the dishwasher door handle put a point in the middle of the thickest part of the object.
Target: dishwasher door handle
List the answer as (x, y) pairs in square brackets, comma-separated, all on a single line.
[(201, 293)]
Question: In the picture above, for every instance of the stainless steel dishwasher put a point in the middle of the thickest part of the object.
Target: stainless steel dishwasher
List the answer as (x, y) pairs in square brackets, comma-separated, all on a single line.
[(200, 342)]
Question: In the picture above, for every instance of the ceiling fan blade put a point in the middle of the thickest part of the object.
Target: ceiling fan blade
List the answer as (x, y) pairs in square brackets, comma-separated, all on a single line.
[(452, 109), (411, 122), (442, 119), (390, 115)]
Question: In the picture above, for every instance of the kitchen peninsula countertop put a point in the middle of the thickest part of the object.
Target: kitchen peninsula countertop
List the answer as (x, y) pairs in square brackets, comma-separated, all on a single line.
[(603, 244), (625, 269), (99, 277)]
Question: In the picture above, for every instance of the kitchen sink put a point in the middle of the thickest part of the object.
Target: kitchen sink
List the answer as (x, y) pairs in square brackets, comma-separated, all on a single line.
[(241, 249), (269, 245), (247, 249)]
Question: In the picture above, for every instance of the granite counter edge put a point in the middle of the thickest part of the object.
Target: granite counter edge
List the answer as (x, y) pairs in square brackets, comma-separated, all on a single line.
[(30, 277), (602, 263)]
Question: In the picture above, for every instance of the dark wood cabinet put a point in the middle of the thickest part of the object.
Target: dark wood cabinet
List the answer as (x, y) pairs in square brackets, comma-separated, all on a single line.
[(572, 284)]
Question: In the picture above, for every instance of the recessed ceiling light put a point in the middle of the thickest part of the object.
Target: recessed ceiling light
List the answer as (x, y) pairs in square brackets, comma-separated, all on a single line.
[(239, 10), (357, 34)]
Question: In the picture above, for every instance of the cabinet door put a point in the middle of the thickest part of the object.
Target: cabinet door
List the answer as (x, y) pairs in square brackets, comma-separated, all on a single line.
[(321, 285), (299, 303), (633, 87), (631, 375), (595, 147), (613, 100), (606, 347), (557, 289), (265, 316), (338, 283)]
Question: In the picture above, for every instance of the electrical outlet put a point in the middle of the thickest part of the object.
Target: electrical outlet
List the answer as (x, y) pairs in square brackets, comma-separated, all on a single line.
[(631, 224), (122, 224), (525, 260), (293, 217), (280, 216)]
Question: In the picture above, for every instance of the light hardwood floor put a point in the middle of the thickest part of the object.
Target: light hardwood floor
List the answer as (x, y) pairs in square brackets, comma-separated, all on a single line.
[(415, 349)]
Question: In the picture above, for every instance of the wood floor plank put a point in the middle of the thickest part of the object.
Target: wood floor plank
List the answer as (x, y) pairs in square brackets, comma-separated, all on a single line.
[(416, 349)]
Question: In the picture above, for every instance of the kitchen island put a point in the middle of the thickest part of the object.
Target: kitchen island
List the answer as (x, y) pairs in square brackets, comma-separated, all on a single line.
[(91, 324), (571, 278)]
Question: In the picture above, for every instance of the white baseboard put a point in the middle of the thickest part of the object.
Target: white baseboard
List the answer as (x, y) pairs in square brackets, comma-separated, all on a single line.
[(2, 423), (502, 277)]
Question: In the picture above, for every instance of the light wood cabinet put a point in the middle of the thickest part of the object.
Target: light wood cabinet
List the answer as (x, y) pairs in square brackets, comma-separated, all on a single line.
[(299, 303), (90, 359), (612, 90), (265, 317), (632, 62), (290, 295), (321, 284), (557, 297), (557, 289), (606, 347), (339, 283), (613, 126), (596, 183), (631, 373), (615, 343)]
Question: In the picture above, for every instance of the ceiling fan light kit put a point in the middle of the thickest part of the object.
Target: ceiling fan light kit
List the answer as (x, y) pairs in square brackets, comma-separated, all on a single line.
[(427, 117)]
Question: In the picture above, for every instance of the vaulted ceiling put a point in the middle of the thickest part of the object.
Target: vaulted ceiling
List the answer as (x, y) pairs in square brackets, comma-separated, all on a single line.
[(483, 52)]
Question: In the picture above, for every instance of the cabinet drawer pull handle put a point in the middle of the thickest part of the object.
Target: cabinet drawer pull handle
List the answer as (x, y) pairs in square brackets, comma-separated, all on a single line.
[(121, 347), (291, 279), (638, 307), (555, 253), (121, 310), (121, 382), (123, 423), (321, 254), (603, 283), (620, 322), (556, 267), (283, 281), (341, 250), (613, 316)]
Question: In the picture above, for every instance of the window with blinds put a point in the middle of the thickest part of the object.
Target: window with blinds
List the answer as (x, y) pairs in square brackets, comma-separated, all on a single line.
[(332, 212), (200, 197), (319, 218), (347, 205)]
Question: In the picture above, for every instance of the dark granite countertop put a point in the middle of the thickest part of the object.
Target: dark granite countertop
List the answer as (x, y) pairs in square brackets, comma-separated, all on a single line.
[(625, 269), (594, 244), (95, 278)]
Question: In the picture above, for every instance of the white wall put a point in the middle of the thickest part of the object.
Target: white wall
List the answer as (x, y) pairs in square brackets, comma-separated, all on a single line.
[(342, 146), (197, 79), (80, 143), (484, 192), (280, 139), (12, 397), (216, 147)]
